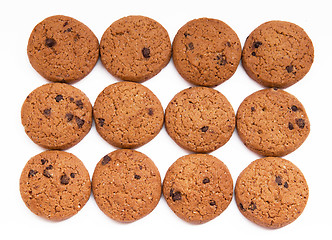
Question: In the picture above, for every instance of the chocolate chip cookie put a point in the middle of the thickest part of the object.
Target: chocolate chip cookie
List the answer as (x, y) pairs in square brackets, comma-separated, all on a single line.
[(62, 49), (206, 52), (128, 114), (198, 187), (272, 122), (135, 48), (271, 192), (55, 185), (126, 185), (200, 119), (56, 115), (277, 54)]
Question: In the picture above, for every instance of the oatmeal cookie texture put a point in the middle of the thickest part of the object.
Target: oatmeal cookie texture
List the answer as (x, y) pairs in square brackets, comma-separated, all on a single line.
[(277, 54), (55, 185), (126, 185), (62, 49), (200, 119), (198, 188), (135, 48), (128, 114), (206, 52), (56, 116), (272, 122), (271, 192)]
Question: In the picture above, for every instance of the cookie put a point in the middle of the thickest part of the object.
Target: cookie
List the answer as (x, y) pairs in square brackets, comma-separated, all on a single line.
[(277, 54), (272, 122), (56, 116), (128, 115), (271, 192), (200, 119), (62, 49), (55, 185), (126, 185), (198, 187), (206, 52), (135, 48)]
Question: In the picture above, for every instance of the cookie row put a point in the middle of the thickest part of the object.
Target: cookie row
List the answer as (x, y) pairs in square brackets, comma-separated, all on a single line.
[(270, 122), (206, 52), (126, 185)]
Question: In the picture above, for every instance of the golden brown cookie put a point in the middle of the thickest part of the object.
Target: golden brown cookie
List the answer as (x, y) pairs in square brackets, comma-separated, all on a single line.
[(272, 122), (200, 119), (271, 192), (62, 49), (135, 48), (55, 185), (277, 54), (56, 115), (198, 187), (126, 185), (128, 115), (206, 52)]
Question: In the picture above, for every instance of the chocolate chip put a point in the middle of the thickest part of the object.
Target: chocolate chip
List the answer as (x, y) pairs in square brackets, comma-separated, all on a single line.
[(286, 185), (58, 98), (72, 175), (50, 42), (105, 160), (101, 122), (221, 59), (186, 34), (77, 36), (212, 202), (69, 117), (252, 109), (47, 112), (43, 161), (228, 44), (257, 44), (289, 68), (68, 30), (191, 46), (64, 179), (300, 122), (253, 54), (206, 180), (290, 126), (150, 111), (171, 192), (79, 104), (252, 206), (241, 207), (32, 173), (49, 167), (65, 24), (146, 52), (294, 108), (176, 196), (80, 122), (71, 99), (47, 174), (204, 129), (278, 180), (137, 177)]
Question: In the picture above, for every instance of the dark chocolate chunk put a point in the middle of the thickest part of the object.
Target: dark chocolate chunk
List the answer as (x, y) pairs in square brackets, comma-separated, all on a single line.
[(252, 109), (289, 68), (47, 112), (50, 42), (253, 54), (71, 99), (278, 180), (32, 173), (212, 203), (150, 111), (176, 196), (300, 122), (204, 129), (146, 52), (252, 206), (65, 24), (79, 104), (137, 176), (191, 46), (68, 30), (80, 122), (72, 175), (186, 34), (69, 116), (294, 108), (221, 59), (49, 167), (257, 44), (64, 179), (228, 44), (241, 207), (286, 185), (47, 174), (206, 180), (105, 160), (290, 126), (43, 161), (58, 98), (101, 122)]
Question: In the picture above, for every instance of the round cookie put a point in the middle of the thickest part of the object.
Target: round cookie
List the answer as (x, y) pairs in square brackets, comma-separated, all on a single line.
[(55, 185), (200, 119), (198, 187), (62, 49), (277, 54), (56, 115), (126, 185), (128, 115), (206, 52), (271, 192), (272, 122), (135, 48)]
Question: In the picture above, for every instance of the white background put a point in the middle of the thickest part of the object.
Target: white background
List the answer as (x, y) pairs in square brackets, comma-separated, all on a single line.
[(18, 79)]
